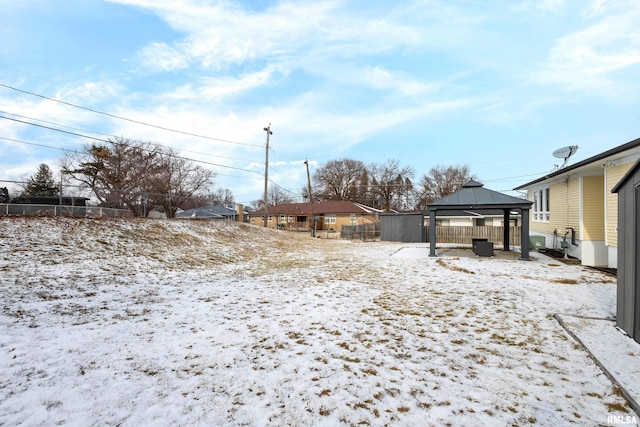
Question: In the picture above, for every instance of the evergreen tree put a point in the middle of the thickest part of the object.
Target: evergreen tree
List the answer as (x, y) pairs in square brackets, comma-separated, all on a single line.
[(41, 184)]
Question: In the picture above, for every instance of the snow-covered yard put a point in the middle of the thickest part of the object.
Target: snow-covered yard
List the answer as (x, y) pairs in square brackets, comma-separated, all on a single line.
[(155, 322)]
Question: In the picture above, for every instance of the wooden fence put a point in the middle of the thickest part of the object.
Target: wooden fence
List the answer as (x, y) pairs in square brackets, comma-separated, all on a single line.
[(463, 235)]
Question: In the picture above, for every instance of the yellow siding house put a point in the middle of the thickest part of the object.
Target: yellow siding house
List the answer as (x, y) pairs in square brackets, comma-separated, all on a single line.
[(575, 210)]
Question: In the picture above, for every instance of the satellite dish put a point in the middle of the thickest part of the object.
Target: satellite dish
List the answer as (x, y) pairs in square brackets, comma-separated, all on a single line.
[(565, 153)]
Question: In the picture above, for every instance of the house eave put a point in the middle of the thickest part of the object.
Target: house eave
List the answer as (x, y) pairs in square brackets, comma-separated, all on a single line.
[(606, 155)]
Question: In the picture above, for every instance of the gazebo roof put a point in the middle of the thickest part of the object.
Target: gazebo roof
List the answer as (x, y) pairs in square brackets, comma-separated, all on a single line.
[(473, 195)]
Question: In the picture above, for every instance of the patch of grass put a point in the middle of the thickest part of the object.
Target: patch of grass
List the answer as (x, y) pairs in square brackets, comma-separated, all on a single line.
[(343, 345), (442, 263), (565, 281), (616, 406)]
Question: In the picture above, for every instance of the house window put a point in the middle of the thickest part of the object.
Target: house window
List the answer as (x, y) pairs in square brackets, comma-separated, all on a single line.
[(329, 219), (480, 222), (541, 205), (283, 218)]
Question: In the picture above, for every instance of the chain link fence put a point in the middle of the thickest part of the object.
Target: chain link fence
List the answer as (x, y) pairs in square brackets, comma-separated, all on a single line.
[(365, 232), (7, 209)]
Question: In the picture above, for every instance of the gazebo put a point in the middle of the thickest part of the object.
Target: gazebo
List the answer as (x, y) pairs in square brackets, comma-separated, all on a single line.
[(474, 198)]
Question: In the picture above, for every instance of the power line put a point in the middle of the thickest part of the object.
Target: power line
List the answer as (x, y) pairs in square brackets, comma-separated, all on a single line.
[(175, 156), (125, 118), (37, 145), (55, 129), (115, 136), (106, 141)]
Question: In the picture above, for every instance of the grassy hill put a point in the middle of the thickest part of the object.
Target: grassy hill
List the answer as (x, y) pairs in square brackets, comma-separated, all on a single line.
[(145, 243)]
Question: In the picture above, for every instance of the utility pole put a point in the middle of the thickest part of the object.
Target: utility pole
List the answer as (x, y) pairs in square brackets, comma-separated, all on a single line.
[(313, 222), (266, 176)]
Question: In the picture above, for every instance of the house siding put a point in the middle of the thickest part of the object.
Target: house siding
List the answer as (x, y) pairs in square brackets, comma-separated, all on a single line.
[(592, 208), (563, 203), (572, 207), (613, 176)]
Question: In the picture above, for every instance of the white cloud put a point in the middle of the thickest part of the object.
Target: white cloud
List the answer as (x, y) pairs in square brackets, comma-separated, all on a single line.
[(380, 78), (539, 6), (90, 91), (503, 110), (600, 7), (222, 34), (587, 60), (163, 57)]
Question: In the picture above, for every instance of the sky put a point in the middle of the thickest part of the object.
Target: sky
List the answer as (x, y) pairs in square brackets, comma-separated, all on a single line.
[(497, 87)]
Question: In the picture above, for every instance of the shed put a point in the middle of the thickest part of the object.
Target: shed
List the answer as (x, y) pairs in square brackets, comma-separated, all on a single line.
[(405, 227), (473, 197), (628, 291)]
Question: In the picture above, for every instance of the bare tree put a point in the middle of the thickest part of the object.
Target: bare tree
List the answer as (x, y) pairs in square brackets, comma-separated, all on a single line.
[(440, 182), (275, 196), (137, 175), (364, 194), (4, 195), (278, 196), (338, 180), (390, 183), (223, 196), (220, 196), (117, 172), (176, 181)]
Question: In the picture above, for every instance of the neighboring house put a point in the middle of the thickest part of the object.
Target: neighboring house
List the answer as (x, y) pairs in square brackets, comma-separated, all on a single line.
[(575, 210), (331, 215), (214, 212)]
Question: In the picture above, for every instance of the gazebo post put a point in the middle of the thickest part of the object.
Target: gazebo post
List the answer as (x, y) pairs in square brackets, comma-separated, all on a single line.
[(524, 236), (432, 233), (505, 234)]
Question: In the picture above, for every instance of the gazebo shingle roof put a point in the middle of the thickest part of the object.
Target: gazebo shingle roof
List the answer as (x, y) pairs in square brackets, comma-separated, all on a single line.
[(473, 195)]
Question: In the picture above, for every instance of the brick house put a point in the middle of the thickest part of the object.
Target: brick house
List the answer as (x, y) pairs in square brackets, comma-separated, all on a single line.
[(330, 215)]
